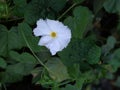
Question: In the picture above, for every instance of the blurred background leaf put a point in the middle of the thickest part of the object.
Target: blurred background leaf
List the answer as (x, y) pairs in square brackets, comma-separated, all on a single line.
[(7, 37), (98, 4), (57, 70), (80, 21), (79, 51), (3, 63), (27, 37), (112, 6), (111, 41)]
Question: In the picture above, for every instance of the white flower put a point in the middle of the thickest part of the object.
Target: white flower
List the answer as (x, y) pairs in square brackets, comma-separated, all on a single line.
[(54, 35)]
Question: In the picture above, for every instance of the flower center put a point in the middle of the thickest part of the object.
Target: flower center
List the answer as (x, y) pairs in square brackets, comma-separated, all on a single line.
[(53, 34)]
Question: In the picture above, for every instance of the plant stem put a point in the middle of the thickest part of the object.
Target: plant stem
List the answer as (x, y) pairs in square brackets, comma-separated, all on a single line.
[(66, 11), (34, 53)]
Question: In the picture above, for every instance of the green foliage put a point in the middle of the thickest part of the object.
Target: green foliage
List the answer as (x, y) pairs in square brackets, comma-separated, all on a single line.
[(89, 56), (94, 55), (16, 72), (80, 21), (57, 5), (9, 76), (74, 71), (7, 37), (27, 37), (109, 45), (79, 51), (70, 87), (25, 64), (98, 4), (4, 10), (23, 58), (112, 6), (34, 10), (117, 83), (19, 8), (42, 8), (57, 70), (78, 1), (3, 64), (115, 60)]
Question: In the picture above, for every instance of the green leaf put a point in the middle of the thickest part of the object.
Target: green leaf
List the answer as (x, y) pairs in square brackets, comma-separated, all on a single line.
[(98, 4), (79, 82), (16, 68), (7, 38), (13, 35), (70, 87), (16, 72), (109, 45), (27, 58), (13, 54), (115, 60), (20, 2), (55, 88), (112, 6), (10, 77), (3, 40), (57, 70), (117, 82), (4, 10), (74, 71), (88, 76), (93, 56), (35, 9), (3, 63), (57, 5), (12, 74), (46, 80), (80, 21), (44, 54), (75, 74), (36, 72), (19, 8), (78, 1), (28, 38), (85, 78), (79, 51), (23, 58)]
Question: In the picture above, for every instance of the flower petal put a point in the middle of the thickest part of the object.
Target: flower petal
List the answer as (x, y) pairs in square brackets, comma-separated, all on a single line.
[(54, 47), (63, 43), (58, 27), (44, 40), (55, 25), (66, 34), (42, 28), (64, 38)]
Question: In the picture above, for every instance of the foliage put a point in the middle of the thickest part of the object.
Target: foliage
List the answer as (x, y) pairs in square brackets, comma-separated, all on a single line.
[(80, 22), (112, 6), (89, 56)]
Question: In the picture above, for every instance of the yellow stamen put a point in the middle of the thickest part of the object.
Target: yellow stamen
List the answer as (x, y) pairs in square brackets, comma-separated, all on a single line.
[(53, 34)]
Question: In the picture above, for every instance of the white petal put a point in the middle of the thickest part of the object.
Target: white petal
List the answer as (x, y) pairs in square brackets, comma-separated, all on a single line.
[(54, 47), (63, 43), (58, 27), (42, 28), (55, 25), (64, 38), (44, 40), (65, 34)]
